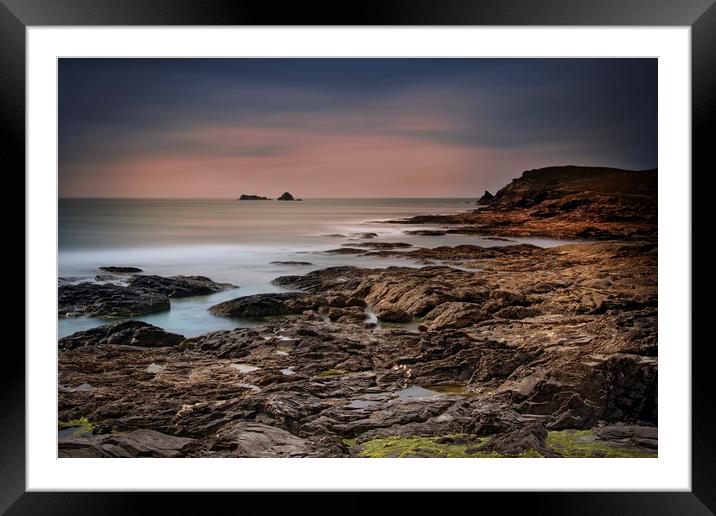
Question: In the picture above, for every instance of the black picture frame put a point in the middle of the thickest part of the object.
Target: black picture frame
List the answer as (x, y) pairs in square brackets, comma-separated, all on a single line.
[(17, 15)]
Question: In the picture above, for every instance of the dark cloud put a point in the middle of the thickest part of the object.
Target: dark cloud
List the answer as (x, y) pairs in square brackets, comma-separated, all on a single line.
[(115, 110)]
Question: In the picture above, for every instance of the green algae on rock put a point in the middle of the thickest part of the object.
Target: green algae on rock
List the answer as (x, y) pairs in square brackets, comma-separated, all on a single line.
[(449, 446), (585, 444)]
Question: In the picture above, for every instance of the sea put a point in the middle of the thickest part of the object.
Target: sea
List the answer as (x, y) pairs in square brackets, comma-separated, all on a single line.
[(235, 242)]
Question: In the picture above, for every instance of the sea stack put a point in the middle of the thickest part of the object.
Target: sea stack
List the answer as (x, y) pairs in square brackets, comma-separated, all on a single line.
[(245, 197), (286, 197)]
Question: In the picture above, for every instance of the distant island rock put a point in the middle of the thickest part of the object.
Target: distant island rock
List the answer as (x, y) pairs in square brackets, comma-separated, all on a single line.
[(245, 197), (286, 197), (120, 269), (486, 199)]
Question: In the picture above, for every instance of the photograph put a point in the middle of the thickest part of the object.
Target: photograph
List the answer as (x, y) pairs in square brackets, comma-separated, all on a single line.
[(268, 257)]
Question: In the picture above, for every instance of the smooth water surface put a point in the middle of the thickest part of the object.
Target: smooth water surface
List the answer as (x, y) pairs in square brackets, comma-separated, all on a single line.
[(234, 241)]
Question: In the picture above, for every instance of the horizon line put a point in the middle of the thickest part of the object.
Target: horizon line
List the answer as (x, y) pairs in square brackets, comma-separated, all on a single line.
[(269, 199)]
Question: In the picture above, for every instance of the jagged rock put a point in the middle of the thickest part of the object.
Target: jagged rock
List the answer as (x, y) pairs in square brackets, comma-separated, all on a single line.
[(517, 312), (177, 286), (107, 301), (137, 443), (128, 333), (286, 197), (629, 435), (511, 335), (393, 315), (565, 202), (454, 315), (262, 305), (487, 198), (351, 314), (250, 197), (250, 439), (530, 437)]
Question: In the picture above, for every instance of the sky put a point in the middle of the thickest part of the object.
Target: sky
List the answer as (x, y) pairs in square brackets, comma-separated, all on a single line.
[(345, 127)]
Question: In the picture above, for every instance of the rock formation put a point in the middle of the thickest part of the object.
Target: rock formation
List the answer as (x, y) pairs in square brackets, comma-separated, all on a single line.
[(487, 198), (511, 351)]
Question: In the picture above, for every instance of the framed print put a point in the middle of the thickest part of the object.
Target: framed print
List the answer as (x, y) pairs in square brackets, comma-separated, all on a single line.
[(414, 250)]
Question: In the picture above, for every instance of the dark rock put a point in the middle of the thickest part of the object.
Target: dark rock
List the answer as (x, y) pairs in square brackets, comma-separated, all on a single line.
[(286, 197), (138, 443), (125, 333), (290, 262), (530, 437), (245, 197), (565, 202), (394, 315), (263, 305), (119, 269), (487, 198), (178, 286), (381, 245), (586, 353), (426, 232), (454, 315), (517, 312), (344, 250), (108, 301), (353, 314), (629, 435)]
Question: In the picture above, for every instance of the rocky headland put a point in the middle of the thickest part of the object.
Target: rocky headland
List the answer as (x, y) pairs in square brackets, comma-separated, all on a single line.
[(564, 202), (511, 351)]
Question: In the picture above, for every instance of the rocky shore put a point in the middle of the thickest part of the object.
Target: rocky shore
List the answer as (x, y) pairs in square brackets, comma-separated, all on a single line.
[(564, 202), (511, 351)]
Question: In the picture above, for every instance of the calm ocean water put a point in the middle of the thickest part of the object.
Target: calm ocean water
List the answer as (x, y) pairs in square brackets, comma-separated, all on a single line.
[(231, 241)]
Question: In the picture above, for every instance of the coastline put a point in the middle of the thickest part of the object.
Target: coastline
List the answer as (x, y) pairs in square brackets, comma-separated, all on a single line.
[(509, 351)]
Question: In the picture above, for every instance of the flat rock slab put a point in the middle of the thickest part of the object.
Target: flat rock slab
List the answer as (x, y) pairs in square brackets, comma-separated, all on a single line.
[(178, 286), (138, 443), (108, 301), (115, 269), (124, 333), (264, 305)]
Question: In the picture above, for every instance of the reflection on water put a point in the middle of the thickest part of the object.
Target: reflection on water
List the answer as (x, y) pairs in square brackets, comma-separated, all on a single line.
[(235, 242)]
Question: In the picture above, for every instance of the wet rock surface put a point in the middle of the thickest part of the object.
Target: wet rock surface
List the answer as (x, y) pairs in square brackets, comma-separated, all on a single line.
[(110, 298), (123, 333), (514, 351), (177, 286), (107, 301), (264, 305), (537, 342)]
